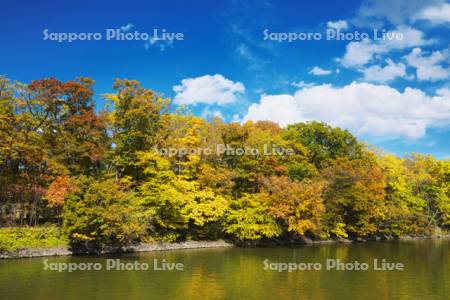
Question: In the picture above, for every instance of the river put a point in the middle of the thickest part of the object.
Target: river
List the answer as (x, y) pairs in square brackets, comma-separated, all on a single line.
[(240, 273)]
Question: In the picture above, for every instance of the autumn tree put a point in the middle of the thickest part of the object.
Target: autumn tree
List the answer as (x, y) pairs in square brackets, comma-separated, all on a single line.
[(174, 204), (354, 197), (249, 218), (26, 167), (112, 180), (134, 120), (99, 214), (404, 209), (298, 205)]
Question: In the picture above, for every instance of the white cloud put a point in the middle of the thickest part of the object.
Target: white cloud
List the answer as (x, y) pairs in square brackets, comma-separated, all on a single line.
[(375, 12), (428, 67), (277, 108), (384, 74), (208, 89), (363, 108), (410, 37), (338, 25), (209, 114), (236, 118), (444, 92), (362, 52), (438, 14), (126, 28), (302, 84), (317, 71)]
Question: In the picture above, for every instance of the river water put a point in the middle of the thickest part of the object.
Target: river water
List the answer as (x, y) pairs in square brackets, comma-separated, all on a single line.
[(240, 273)]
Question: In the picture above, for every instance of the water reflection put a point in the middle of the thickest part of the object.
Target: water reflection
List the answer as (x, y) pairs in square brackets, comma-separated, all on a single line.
[(239, 274)]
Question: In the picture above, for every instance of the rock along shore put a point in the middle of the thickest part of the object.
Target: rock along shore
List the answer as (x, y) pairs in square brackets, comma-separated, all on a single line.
[(63, 251)]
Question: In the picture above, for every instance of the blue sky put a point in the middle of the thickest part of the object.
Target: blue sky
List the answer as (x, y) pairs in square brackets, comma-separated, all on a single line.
[(393, 93)]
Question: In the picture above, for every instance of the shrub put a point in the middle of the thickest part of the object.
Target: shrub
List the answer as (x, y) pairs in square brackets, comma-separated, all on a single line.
[(14, 238)]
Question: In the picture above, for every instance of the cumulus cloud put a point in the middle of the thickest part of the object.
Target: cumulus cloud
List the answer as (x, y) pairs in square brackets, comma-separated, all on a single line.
[(208, 89), (317, 71), (384, 74), (363, 108), (428, 67), (362, 52), (337, 25), (437, 14), (282, 109)]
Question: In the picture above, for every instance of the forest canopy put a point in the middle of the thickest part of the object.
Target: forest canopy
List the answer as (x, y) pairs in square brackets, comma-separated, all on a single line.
[(104, 178)]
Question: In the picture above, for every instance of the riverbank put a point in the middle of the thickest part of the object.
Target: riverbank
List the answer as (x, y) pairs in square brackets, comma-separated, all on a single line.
[(146, 247), (307, 241), (64, 251)]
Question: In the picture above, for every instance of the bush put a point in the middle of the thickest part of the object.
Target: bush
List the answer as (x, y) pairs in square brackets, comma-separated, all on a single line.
[(14, 238)]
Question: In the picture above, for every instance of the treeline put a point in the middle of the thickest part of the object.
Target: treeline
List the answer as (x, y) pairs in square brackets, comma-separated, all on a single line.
[(105, 178)]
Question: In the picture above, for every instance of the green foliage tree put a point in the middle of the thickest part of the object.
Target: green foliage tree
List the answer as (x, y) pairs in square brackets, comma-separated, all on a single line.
[(99, 214), (324, 142)]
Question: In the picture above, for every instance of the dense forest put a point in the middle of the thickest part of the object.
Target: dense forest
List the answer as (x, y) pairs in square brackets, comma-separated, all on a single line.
[(142, 170)]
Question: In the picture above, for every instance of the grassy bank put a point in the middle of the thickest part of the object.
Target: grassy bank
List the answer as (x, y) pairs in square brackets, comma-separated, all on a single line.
[(14, 238)]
